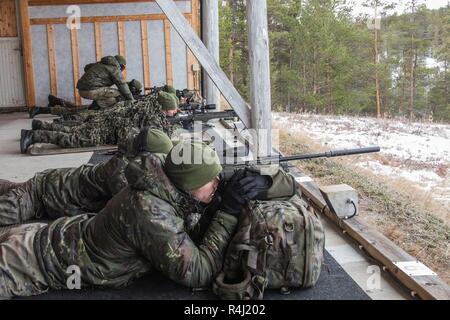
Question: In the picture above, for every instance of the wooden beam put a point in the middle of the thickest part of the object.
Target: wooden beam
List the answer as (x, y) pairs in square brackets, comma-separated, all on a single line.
[(194, 20), (145, 53), (190, 61), (52, 60), (27, 53), (168, 49), (8, 21), (122, 49), (258, 48), (75, 63), (65, 2), (207, 60), (211, 41), (98, 41), (376, 245), (196, 16), (137, 17)]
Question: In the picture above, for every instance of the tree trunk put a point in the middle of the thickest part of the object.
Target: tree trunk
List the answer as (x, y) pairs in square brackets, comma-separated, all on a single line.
[(413, 79), (377, 79)]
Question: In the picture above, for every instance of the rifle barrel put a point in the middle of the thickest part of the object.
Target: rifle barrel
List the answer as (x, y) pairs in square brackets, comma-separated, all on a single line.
[(331, 154)]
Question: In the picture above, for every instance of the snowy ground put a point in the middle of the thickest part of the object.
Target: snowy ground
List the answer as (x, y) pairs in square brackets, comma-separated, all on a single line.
[(416, 152)]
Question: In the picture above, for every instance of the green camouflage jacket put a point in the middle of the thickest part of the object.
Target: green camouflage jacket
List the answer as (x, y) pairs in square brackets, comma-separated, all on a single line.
[(144, 227), (73, 191), (104, 74)]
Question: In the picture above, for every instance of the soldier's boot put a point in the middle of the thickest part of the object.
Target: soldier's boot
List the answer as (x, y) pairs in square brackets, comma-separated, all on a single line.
[(55, 101), (94, 106), (26, 140), (37, 124), (38, 110), (6, 185)]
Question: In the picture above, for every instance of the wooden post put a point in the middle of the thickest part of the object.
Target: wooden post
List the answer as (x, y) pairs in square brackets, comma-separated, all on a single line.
[(98, 41), (211, 40), (27, 53), (208, 62), (75, 62), (145, 53), (168, 49), (52, 60), (258, 45)]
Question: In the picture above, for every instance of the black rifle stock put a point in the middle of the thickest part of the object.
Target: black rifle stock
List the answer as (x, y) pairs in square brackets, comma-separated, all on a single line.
[(188, 119)]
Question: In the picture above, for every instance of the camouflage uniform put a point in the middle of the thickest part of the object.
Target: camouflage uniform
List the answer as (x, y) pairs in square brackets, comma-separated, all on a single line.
[(98, 78), (148, 226), (106, 127), (55, 193), (141, 229)]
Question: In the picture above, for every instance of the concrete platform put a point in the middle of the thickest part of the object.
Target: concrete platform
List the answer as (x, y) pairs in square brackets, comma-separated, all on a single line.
[(348, 273), (18, 167)]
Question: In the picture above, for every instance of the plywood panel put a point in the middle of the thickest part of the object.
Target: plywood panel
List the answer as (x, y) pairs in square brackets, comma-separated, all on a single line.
[(110, 35), (64, 63), (88, 19), (118, 9), (86, 48), (8, 22), (110, 41), (179, 68), (40, 64), (157, 56), (135, 68)]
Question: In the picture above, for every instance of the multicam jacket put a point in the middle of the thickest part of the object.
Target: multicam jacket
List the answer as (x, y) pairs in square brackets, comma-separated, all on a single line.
[(104, 74), (144, 227)]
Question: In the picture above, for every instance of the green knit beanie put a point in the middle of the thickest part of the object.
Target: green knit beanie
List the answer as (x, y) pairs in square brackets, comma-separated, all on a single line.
[(152, 140), (192, 164), (135, 85), (170, 89), (158, 142), (121, 59), (167, 101)]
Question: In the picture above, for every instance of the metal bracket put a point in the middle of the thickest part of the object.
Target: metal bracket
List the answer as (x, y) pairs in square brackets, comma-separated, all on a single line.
[(342, 200)]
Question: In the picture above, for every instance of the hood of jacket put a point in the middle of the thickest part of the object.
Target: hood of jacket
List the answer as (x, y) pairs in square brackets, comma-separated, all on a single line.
[(146, 173), (110, 61)]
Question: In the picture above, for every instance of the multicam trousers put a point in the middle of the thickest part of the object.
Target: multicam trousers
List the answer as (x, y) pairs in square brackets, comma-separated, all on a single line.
[(20, 273), (105, 97)]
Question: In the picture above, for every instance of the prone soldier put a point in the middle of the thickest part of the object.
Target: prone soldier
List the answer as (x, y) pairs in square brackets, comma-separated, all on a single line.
[(70, 191), (148, 226)]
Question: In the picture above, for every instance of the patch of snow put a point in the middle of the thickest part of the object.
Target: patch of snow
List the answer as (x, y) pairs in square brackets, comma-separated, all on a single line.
[(416, 148)]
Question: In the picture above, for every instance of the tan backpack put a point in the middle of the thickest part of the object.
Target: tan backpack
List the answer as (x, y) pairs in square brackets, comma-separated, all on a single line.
[(278, 245)]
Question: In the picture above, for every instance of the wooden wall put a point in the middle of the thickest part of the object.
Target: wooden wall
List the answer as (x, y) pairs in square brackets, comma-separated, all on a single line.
[(48, 43), (8, 23)]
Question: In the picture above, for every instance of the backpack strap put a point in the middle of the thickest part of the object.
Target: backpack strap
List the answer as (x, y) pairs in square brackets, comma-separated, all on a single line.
[(289, 229), (233, 291)]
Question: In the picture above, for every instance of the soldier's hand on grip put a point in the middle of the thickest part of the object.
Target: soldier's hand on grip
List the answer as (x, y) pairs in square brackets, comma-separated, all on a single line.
[(252, 184), (232, 200)]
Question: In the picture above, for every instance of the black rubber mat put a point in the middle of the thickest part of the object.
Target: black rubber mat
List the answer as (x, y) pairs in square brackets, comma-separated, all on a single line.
[(334, 284)]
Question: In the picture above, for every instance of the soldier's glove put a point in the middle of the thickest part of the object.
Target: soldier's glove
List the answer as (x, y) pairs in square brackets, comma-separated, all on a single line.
[(140, 142), (253, 185), (232, 200)]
